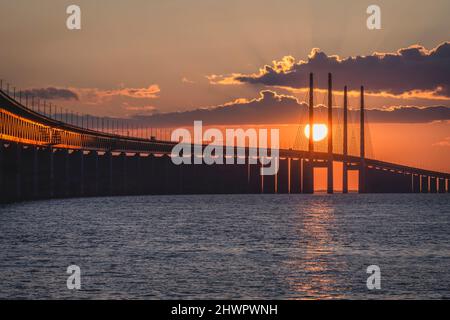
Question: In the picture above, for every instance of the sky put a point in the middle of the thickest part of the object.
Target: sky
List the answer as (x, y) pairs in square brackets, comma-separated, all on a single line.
[(142, 59)]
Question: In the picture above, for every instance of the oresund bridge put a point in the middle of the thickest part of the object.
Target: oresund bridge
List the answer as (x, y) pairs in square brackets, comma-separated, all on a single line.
[(44, 157)]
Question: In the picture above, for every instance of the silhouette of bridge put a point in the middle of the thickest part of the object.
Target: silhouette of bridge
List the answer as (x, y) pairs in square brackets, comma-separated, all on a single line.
[(43, 157)]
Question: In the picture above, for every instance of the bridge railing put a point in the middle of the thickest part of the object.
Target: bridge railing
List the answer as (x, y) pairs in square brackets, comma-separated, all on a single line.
[(20, 124)]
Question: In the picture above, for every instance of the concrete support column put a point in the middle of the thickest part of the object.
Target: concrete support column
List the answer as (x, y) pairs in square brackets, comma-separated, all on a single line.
[(295, 176), (97, 175), (254, 179), (35, 173), (344, 177), (66, 168), (13, 172), (441, 185), (18, 173), (362, 177), (10, 173), (415, 183), (61, 172), (269, 184), (283, 177), (2, 186), (433, 185), (308, 176), (81, 168), (109, 173), (124, 173), (77, 173), (140, 176), (424, 187), (91, 174), (51, 171)]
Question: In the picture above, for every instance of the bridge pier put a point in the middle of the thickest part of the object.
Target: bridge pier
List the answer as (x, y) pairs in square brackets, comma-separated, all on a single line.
[(105, 174), (129, 182), (62, 173), (308, 176), (441, 183), (119, 173), (2, 184), (225, 179), (175, 178), (254, 179), (424, 187), (362, 181), (269, 184), (283, 177), (45, 176), (91, 174), (147, 174), (12, 171), (76, 169), (380, 180), (433, 185), (415, 183), (189, 176), (344, 177), (239, 181), (29, 173), (295, 176)]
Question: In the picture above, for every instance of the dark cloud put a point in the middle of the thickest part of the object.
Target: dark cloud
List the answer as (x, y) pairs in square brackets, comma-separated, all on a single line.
[(257, 111), (409, 69), (51, 93), (271, 108), (409, 114)]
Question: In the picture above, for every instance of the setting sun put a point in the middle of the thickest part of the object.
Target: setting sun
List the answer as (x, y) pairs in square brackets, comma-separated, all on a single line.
[(320, 131)]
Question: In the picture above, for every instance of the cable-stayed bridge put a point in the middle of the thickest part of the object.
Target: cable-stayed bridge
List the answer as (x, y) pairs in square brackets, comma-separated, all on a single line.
[(49, 156)]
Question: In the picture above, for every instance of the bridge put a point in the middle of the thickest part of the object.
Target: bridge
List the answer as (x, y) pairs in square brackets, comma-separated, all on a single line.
[(43, 157)]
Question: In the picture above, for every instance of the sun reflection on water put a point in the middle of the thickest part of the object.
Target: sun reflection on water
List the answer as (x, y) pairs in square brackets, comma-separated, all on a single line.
[(314, 262)]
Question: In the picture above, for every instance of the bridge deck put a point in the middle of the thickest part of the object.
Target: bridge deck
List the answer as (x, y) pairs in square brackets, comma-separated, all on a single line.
[(23, 125)]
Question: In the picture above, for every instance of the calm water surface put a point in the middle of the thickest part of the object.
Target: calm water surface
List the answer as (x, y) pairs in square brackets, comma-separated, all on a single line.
[(252, 246)]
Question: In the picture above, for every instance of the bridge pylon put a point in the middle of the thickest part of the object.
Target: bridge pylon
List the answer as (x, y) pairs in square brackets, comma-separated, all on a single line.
[(330, 184), (345, 145), (362, 163)]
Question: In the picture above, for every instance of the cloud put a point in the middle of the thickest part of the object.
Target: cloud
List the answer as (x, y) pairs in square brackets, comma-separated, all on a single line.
[(408, 114), (273, 108), (98, 96), (261, 110), (140, 110), (139, 93), (186, 80), (51, 93), (413, 70), (443, 143)]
